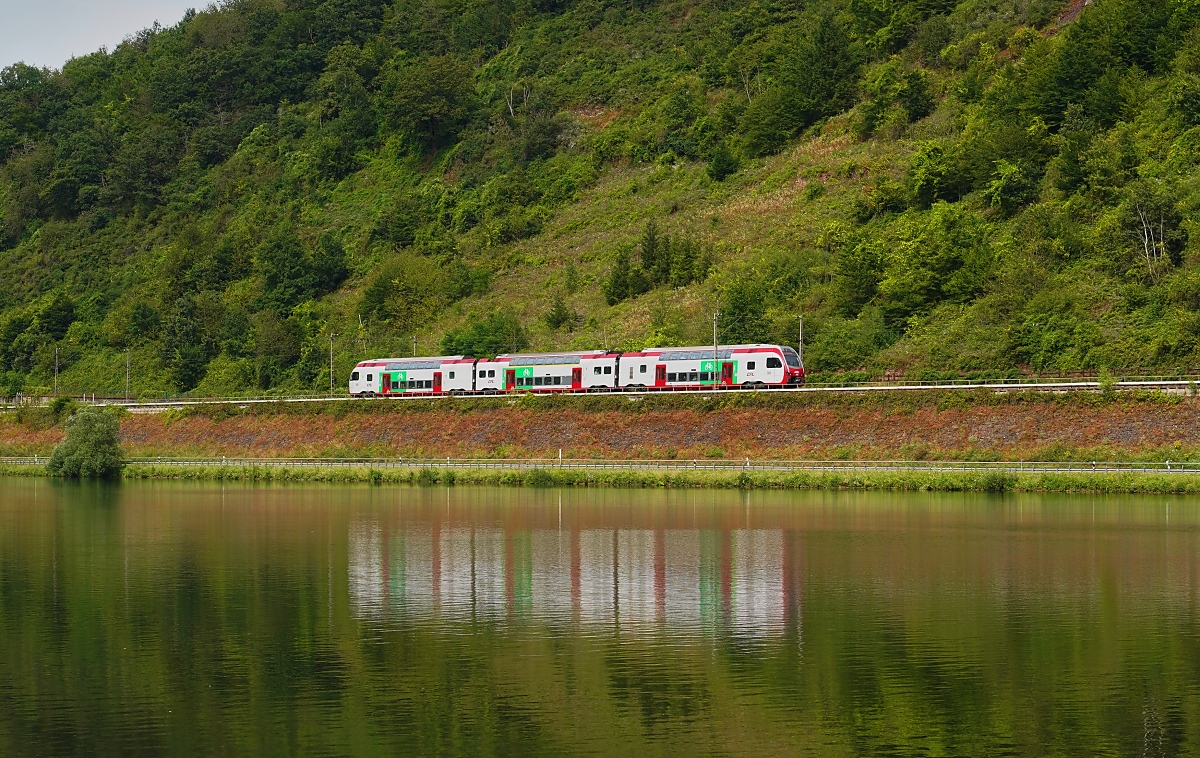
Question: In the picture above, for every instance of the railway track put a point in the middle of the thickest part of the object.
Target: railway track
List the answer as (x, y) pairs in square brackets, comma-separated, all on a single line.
[(1172, 385), (727, 466)]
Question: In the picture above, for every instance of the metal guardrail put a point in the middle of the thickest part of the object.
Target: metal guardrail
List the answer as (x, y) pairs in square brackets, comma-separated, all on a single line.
[(699, 464)]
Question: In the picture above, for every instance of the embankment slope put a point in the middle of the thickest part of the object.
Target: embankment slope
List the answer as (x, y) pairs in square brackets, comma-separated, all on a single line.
[(930, 426)]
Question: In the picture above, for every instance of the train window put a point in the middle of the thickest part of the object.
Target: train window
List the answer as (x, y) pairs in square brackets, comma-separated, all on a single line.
[(704, 376), (608, 369), (537, 381), (558, 380), (643, 369), (370, 377), (354, 376), (451, 374), (491, 373), (749, 365), (774, 363), (597, 371), (693, 376), (670, 377)]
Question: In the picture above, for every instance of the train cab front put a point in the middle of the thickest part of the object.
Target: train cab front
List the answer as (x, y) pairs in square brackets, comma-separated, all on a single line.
[(793, 372)]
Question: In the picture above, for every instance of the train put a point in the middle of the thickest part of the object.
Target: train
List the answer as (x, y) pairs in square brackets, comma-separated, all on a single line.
[(666, 369)]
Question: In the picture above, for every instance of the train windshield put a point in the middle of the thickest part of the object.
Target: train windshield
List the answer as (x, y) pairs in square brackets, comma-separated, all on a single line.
[(790, 356)]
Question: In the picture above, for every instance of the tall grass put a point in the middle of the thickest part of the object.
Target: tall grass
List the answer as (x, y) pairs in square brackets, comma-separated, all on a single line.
[(909, 481)]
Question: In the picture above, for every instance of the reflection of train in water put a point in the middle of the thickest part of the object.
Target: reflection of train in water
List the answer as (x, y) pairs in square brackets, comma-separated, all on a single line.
[(676, 368), (744, 580)]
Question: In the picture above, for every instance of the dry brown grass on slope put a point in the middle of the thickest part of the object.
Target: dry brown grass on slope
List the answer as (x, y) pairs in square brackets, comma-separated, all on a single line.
[(1019, 431)]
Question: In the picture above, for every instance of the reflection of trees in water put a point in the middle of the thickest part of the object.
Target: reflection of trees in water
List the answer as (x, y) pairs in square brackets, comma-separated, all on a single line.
[(177, 618)]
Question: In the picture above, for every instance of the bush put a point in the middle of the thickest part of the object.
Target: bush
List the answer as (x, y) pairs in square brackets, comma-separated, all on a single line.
[(561, 314), (722, 163), (92, 448), (498, 333)]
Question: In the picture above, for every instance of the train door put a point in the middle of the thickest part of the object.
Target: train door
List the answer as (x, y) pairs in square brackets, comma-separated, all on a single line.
[(727, 374), (387, 383), (577, 378), (437, 381), (510, 379), (660, 375)]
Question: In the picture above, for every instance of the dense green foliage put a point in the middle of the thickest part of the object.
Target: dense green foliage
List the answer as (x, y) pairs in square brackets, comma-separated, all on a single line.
[(209, 202), (92, 448)]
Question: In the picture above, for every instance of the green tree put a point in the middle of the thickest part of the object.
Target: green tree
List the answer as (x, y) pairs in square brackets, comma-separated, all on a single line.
[(329, 268), (285, 269), (498, 333), (184, 347), (560, 314), (616, 286), (406, 292), (92, 448), (430, 98), (816, 79), (722, 163), (276, 347), (743, 311), (1010, 188), (56, 317)]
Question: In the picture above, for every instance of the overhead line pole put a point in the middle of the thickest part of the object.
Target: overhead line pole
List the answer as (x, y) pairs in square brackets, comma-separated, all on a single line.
[(331, 336), (800, 347)]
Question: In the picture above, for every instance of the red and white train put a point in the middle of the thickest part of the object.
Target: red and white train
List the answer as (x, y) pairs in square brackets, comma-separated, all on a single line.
[(668, 368)]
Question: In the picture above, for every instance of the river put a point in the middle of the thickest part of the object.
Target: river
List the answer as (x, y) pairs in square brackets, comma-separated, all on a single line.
[(184, 619)]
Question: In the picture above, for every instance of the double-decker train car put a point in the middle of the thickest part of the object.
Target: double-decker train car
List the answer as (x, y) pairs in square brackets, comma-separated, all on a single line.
[(675, 368), (546, 372), (413, 376), (699, 367)]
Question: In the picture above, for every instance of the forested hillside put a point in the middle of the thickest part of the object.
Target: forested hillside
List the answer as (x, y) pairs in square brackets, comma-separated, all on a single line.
[(997, 185)]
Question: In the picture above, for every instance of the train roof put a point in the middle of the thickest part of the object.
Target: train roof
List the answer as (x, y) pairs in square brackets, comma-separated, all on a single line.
[(558, 354), (416, 359), (571, 356), (703, 348)]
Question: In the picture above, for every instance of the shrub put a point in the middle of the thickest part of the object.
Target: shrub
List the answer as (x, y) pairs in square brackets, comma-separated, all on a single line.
[(62, 407), (498, 333), (722, 163), (560, 314), (92, 448)]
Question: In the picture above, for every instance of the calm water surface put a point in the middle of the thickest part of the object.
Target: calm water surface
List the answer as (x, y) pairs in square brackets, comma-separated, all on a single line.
[(200, 619)]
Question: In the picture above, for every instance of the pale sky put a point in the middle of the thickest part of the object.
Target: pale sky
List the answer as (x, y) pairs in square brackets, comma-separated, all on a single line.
[(49, 32)]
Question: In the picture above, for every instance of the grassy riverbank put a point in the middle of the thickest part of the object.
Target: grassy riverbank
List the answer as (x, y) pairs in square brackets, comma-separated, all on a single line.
[(911, 481), (885, 426)]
